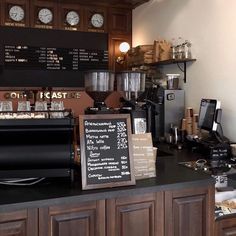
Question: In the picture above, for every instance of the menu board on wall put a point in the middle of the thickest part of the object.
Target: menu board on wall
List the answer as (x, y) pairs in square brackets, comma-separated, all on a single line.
[(32, 57), (53, 58), (106, 151)]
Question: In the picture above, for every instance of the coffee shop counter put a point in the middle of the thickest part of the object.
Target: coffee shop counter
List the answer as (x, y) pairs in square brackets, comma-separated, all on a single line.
[(166, 205), (170, 176)]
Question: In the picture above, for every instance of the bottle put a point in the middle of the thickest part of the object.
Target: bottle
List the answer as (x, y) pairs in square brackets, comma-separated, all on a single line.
[(189, 52), (179, 48), (173, 49), (187, 49)]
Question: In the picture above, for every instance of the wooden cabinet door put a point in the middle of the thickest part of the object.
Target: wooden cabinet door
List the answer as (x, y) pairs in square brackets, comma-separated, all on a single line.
[(84, 219), (120, 21), (189, 212), (225, 227), (136, 216), (19, 223)]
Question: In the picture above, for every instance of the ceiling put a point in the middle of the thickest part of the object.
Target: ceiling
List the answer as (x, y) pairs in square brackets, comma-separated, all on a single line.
[(115, 3)]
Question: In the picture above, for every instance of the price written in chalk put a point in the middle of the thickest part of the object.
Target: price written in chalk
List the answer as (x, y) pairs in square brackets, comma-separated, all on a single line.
[(122, 142), (107, 151)]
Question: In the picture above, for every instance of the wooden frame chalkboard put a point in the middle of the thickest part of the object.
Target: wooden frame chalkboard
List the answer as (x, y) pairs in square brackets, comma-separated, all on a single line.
[(106, 151)]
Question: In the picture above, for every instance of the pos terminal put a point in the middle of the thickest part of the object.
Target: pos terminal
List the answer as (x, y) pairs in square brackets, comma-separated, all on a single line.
[(215, 144)]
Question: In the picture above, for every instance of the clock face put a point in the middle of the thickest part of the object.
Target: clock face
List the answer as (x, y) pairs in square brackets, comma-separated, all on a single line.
[(45, 15), (97, 20), (72, 18), (16, 13)]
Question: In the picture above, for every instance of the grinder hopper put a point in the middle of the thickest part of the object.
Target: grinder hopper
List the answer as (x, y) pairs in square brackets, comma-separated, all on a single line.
[(99, 85), (131, 83)]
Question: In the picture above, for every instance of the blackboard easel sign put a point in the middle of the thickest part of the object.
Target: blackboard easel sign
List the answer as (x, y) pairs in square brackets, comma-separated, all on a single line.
[(106, 151)]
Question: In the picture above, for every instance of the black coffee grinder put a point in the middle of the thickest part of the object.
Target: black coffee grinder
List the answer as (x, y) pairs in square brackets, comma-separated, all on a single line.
[(131, 83), (99, 84)]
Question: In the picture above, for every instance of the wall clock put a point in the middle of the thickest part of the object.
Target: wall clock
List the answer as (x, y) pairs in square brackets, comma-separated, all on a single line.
[(71, 16), (96, 19), (44, 14), (15, 13)]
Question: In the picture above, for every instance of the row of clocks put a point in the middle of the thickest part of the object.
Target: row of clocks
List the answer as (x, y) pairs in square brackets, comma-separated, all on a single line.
[(45, 15)]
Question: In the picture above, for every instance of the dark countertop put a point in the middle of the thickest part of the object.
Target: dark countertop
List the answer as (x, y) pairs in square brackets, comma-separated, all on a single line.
[(170, 175)]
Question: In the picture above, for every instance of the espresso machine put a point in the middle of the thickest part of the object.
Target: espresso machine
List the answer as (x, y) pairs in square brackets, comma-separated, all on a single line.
[(99, 84), (131, 84), (165, 108)]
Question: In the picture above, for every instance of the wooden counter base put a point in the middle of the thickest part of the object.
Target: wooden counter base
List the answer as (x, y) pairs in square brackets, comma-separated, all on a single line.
[(182, 212)]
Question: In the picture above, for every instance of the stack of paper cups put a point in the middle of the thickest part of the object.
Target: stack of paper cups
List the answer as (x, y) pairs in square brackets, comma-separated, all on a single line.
[(184, 124), (195, 124), (189, 120), (189, 112)]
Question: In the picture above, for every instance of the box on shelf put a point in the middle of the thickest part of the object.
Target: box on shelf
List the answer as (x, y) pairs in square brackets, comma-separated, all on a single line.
[(142, 54), (146, 54), (162, 50)]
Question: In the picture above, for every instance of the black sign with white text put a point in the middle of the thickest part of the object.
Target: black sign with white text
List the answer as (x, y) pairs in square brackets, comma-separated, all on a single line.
[(31, 57), (52, 58), (106, 150)]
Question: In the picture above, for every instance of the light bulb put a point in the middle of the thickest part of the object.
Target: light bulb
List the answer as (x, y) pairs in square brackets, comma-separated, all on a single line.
[(124, 47)]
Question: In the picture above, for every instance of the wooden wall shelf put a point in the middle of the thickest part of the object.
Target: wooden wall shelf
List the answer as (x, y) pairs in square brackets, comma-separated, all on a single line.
[(169, 62), (178, 62)]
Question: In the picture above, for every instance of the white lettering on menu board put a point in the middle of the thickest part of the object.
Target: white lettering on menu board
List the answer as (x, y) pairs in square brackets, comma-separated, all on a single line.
[(106, 151), (53, 58)]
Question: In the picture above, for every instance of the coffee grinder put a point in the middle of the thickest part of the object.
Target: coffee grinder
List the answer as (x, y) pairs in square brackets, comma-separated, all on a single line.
[(99, 84), (131, 83)]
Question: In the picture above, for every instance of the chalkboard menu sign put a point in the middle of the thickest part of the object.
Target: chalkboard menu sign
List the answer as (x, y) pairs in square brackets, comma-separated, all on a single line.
[(106, 151)]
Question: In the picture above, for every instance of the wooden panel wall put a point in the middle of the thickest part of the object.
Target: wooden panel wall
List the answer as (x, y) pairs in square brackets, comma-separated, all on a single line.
[(117, 23)]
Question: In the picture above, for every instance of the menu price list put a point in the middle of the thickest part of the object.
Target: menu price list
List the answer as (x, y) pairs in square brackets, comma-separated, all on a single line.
[(52, 58), (107, 153)]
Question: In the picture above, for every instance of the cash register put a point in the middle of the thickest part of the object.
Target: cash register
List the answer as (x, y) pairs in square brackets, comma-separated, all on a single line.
[(214, 148), (214, 145)]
